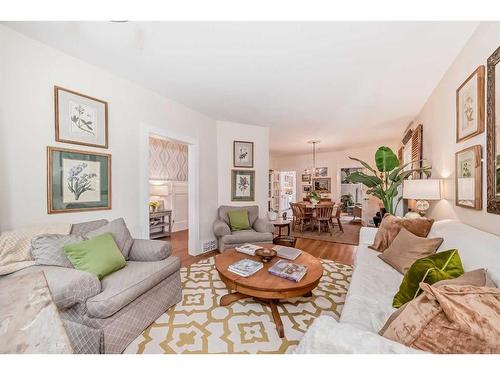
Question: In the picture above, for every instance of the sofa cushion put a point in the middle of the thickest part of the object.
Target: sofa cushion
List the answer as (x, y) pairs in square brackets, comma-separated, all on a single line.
[(253, 213), (431, 269), (47, 249), (244, 236), (124, 286), (120, 233), (81, 229), (407, 248), (239, 219), (99, 255), (391, 225)]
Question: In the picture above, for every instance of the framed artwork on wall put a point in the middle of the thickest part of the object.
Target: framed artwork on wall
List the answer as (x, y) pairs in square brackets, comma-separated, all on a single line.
[(470, 106), (242, 185), (80, 119), (77, 180), (322, 171), (323, 185), (242, 154), (306, 188), (468, 178), (306, 178)]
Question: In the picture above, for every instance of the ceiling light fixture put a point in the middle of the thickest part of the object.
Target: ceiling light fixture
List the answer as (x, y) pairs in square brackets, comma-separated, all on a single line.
[(313, 171)]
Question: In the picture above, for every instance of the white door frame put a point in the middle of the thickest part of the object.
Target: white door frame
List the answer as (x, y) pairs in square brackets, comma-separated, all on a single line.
[(193, 182)]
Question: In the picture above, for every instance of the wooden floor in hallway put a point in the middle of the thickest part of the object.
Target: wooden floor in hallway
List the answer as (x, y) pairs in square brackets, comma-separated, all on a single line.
[(321, 249)]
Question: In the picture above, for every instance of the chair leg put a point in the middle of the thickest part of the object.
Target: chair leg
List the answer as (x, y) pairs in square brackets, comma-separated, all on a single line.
[(330, 227), (340, 225)]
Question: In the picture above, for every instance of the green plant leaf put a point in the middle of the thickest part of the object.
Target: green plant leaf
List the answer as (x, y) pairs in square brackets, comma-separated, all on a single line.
[(360, 177), (364, 164), (385, 159)]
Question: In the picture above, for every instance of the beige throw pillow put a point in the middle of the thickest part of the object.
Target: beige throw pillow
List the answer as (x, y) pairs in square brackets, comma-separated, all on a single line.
[(391, 225), (407, 248), (450, 319)]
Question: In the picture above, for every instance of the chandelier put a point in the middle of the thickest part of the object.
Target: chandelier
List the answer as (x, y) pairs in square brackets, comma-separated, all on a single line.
[(313, 171)]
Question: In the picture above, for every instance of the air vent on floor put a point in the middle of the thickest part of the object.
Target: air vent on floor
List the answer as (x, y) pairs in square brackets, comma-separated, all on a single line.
[(209, 245)]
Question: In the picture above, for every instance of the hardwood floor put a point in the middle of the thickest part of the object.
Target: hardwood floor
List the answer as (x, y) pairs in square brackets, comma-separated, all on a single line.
[(321, 249)]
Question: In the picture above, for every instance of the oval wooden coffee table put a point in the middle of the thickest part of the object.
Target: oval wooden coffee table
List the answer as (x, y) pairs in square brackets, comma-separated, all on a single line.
[(265, 287)]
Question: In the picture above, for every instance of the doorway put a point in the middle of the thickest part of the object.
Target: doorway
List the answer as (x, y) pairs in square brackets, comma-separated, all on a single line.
[(169, 189)]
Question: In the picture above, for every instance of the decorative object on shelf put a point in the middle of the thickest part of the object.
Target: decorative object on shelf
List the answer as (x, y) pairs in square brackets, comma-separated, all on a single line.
[(153, 206), (323, 184), (272, 215), (265, 254), (314, 197), (242, 185), (306, 178), (77, 180), (492, 134), (242, 154), (80, 119), (468, 178), (423, 190), (312, 171), (383, 183), (470, 106), (284, 215), (160, 224)]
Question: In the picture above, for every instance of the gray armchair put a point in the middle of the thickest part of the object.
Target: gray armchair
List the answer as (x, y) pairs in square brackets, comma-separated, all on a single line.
[(261, 230)]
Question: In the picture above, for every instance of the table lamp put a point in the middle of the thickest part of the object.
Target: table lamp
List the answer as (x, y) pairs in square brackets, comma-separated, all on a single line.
[(423, 191)]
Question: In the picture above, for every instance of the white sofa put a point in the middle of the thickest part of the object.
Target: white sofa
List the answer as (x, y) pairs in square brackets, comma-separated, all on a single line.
[(368, 303)]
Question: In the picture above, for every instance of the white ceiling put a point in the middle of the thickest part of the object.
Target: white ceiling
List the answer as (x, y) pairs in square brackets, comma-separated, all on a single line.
[(346, 83)]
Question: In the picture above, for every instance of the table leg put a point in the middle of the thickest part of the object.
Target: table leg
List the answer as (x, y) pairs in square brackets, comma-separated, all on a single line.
[(277, 318), (308, 294), (230, 298), (279, 229), (288, 226)]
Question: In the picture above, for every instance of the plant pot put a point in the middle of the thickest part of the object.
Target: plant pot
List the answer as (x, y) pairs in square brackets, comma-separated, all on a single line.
[(314, 201)]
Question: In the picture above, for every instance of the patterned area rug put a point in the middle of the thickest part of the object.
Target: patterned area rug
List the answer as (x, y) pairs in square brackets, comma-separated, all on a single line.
[(199, 325), (350, 236)]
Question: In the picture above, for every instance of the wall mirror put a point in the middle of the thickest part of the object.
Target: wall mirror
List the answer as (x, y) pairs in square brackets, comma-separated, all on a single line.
[(493, 132)]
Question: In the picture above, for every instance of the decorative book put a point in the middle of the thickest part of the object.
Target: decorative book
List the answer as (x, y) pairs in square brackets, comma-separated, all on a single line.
[(290, 253), (288, 270), (248, 249), (245, 267)]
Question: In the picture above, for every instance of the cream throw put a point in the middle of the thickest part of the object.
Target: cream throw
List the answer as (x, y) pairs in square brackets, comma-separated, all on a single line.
[(15, 245)]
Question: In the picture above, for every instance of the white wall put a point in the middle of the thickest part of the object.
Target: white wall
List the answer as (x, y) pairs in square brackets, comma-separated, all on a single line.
[(227, 132), (28, 72), (439, 120), (333, 160)]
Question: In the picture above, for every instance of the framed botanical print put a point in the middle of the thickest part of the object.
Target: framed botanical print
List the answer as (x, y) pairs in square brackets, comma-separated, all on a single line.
[(306, 188), (242, 154), (77, 180), (470, 106), (80, 119), (468, 178), (323, 185), (242, 185), (306, 178), (322, 171)]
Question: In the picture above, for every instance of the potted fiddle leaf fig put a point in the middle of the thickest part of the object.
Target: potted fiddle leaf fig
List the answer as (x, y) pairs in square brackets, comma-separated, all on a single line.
[(384, 181)]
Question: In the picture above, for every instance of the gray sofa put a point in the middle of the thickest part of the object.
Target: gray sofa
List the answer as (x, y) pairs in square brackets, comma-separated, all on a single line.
[(105, 316), (261, 231)]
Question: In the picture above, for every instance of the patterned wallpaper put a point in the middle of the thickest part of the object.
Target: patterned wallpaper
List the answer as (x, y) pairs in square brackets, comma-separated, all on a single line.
[(167, 160)]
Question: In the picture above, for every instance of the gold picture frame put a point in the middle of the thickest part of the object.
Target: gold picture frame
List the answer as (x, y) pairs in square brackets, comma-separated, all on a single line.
[(470, 106), (468, 178)]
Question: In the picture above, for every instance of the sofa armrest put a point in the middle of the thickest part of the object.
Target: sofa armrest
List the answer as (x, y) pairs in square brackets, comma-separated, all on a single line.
[(327, 336), (367, 235), (70, 286), (221, 228), (149, 250), (263, 226)]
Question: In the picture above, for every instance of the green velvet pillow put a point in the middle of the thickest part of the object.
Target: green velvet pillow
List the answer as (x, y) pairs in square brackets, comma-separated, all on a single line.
[(99, 255), (433, 268), (238, 219)]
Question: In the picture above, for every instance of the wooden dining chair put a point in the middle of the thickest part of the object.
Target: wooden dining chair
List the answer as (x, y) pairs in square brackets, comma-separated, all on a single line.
[(336, 216), (300, 217), (324, 216)]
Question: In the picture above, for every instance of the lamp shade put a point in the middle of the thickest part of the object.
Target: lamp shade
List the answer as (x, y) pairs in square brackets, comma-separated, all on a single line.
[(429, 189), (158, 190)]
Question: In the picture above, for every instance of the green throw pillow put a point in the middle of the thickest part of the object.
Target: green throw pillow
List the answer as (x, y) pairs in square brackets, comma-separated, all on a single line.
[(99, 255), (239, 219), (430, 269)]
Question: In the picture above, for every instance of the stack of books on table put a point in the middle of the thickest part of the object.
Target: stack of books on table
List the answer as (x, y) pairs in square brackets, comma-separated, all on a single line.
[(248, 249), (245, 267), (288, 270)]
